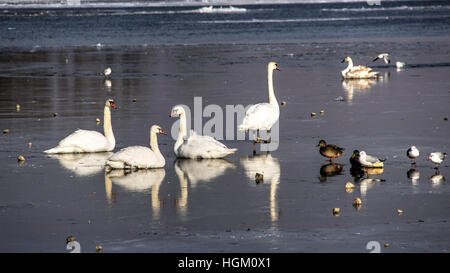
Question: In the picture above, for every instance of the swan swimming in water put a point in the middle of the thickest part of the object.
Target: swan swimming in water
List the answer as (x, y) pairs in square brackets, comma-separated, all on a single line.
[(139, 157), (86, 141), (357, 72), (263, 116), (196, 146)]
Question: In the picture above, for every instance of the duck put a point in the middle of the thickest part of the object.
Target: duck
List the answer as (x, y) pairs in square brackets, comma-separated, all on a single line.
[(354, 159), (412, 153), (370, 161), (330, 150), (437, 158), (263, 116), (196, 146), (357, 72), (87, 141), (139, 157)]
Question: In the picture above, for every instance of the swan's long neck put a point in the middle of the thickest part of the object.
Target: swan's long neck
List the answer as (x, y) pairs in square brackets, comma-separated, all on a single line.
[(154, 143), (182, 131), (272, 98), (107, 128), (349, 67)]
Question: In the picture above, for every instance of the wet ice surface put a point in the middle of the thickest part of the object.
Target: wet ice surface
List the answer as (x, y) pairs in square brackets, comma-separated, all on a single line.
[(215, 205)]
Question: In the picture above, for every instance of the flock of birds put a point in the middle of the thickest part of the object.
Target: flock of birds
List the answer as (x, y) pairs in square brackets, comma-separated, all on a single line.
[(365, 72), (261, 116), (362, 159)]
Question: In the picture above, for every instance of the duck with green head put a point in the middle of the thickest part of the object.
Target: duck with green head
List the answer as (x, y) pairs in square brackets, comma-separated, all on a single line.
[(330, 150), (354, 159)]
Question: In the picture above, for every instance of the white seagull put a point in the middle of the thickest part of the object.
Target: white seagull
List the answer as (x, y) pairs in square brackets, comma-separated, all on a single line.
[(384, 56), (370, 161), (413, 153), (437, 158), (107, 72)]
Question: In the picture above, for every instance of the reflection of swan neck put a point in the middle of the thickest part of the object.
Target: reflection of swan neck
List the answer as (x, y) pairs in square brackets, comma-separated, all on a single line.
[(272, 98), (183, 200), (274, 215), (182, 131), (107, 128), (155, 200), (108, 189)]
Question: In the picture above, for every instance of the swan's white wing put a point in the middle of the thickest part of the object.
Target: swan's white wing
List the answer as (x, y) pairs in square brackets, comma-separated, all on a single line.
[(260, 116), (197, 146), (137, 156), (84, 141)]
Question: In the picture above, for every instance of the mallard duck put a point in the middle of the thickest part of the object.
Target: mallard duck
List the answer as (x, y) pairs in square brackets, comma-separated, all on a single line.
[(370, 161), (329, 150), (354, 159)]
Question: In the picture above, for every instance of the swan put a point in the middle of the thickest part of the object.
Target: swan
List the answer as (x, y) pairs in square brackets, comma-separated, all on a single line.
[(139, 157), (263, 116), (357, 72), (196, 146), (86, 141)]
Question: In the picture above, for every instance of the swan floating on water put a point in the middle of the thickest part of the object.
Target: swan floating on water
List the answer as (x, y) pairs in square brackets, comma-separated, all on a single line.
[(263, 116), (357, 72), (196, 146), (139, 157), (86, 141)]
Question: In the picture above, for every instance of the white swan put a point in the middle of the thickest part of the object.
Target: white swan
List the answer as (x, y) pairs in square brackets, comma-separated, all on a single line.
[(86, 141), (196, 146), (139, 157), (263, 116), (357, 72)]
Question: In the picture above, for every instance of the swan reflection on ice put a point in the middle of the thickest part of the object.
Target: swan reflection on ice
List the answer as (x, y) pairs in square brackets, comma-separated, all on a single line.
[(136, 181), (82, 164), (269, 167), (195, 171)]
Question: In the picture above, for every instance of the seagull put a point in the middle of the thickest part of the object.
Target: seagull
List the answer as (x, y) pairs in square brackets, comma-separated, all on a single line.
[(370, 161), (437, 158), (413, 153), (384, 56), (399, 64), (107, 72)]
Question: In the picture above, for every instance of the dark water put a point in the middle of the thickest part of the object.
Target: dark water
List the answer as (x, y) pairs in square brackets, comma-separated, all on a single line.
[(128, 25), (215, 205)]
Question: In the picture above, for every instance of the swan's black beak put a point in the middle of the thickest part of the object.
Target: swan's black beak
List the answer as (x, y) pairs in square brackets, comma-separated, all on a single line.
[(343, 60)]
